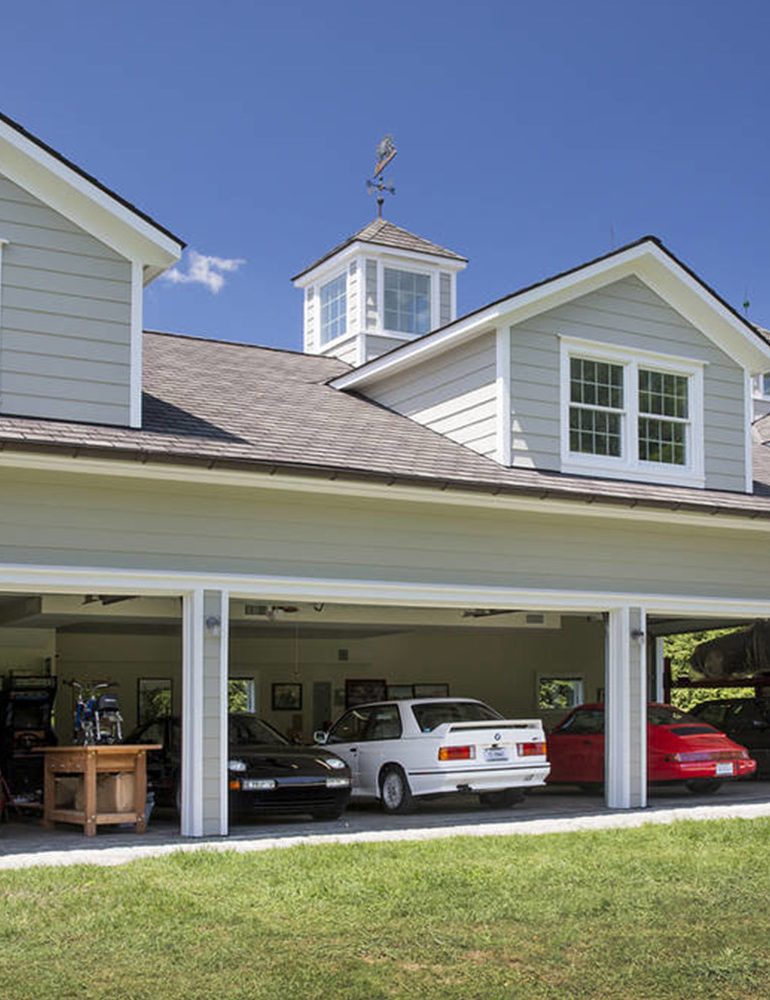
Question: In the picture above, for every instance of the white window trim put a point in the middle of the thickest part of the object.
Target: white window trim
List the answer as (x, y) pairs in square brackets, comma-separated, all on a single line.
[(628, 465), (382, 266), (319, 294)]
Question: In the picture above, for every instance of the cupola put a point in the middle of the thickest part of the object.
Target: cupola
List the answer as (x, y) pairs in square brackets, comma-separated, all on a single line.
[(381, 287)]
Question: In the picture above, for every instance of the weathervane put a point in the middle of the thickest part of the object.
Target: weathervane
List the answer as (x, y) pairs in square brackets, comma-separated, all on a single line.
[(386, 151)]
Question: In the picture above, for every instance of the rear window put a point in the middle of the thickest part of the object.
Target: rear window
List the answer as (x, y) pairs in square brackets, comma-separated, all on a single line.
[(430, 715), (692, 730), (666, 715)]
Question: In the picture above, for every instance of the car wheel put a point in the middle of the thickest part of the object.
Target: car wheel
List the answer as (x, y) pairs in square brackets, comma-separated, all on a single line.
[(502, 800), (702, 786), (328, 812), (395, 794)]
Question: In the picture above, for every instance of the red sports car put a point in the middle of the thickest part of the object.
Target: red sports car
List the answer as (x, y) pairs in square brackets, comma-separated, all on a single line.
[(679, 748)]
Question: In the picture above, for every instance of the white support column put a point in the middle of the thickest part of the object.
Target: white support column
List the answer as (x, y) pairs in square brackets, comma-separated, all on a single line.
[(626, 710), (204, 713), (659, 669)]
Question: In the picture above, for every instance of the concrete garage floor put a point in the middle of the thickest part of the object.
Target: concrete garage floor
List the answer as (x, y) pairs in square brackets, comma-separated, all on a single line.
[(24, 843)]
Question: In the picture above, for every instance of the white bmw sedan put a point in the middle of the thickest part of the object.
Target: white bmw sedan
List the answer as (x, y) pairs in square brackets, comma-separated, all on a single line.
[(402, 750)]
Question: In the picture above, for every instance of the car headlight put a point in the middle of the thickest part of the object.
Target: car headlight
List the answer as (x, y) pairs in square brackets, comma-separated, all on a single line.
[(334, 763), (338, 782), (236, 765)]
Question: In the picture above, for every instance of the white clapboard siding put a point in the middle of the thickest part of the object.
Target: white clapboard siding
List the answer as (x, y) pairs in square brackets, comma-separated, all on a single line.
[(628, 314), (66, 317), (92, 521), (370, 303), (454, 394)]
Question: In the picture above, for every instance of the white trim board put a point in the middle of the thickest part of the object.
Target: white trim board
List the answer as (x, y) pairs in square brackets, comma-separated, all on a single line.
[(260, 588), (651, 264), (83, 202)]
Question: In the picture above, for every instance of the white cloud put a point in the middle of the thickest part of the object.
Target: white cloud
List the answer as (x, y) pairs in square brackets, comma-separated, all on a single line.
[(203, 269)]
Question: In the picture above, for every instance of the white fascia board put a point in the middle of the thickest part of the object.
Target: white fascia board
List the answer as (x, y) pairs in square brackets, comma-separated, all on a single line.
[(57, 579), (84, 203), (699, 306), (628, 509), (361, 247), (645, 260)]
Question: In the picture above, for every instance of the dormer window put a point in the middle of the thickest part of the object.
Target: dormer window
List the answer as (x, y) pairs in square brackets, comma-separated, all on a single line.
[(631, 414), (407, 301), (334, 309)]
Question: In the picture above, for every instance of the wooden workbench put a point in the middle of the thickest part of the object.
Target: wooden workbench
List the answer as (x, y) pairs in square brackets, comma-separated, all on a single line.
[(91, 761)]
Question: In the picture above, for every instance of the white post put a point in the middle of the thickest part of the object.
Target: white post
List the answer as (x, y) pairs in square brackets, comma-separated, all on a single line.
[(626, 710), (659, 669), (204, 713)]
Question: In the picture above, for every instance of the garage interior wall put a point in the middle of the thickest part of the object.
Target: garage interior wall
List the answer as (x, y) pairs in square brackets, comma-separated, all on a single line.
[(500, 667)]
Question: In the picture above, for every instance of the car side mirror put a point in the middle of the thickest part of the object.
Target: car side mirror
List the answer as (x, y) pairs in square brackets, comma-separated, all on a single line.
[(320, 736)]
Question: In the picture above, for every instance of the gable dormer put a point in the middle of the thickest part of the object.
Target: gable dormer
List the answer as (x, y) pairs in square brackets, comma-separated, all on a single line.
[(627, 367), (74, 259), (379, 289)]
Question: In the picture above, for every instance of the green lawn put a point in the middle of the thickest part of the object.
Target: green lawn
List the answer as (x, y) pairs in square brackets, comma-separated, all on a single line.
[(679, 911)]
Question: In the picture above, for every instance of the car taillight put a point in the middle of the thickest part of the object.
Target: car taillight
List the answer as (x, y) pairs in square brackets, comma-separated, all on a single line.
[(695, 756), (531, 749), (456, 753)]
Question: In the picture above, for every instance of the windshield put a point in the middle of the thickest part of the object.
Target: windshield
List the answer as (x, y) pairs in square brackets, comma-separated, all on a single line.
[(667, 715), (247, 729), (435, 713)]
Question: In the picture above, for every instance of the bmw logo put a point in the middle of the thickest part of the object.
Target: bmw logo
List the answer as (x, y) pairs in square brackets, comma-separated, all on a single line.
[(498, 737)]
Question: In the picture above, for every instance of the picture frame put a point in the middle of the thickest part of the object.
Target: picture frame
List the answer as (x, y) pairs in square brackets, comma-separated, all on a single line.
[(397, 692), (431, 690), (360, 690), (154, 698), (286, 697)]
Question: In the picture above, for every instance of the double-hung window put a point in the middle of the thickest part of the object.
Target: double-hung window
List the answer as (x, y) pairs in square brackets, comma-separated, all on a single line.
[(631, 415), (334, 309)]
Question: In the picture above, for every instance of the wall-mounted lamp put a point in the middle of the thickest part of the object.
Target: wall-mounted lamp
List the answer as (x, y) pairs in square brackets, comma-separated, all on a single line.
[(637, 633), (214, 625)]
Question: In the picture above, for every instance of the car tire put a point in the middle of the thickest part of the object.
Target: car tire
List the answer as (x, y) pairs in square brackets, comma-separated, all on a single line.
[(395, 793), (702, 786), (503, 799), (328, 812)]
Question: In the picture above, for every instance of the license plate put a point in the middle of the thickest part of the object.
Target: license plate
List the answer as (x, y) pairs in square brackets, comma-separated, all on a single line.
[(725, 769), (495, 753)]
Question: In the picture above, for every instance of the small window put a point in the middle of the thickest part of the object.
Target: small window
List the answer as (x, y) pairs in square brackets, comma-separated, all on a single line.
[(407, 301), (559, 693), (765, 384), (334, 309), (241, 694)]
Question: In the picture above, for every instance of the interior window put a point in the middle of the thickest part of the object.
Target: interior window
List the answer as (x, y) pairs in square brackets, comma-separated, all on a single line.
[(559, 693)]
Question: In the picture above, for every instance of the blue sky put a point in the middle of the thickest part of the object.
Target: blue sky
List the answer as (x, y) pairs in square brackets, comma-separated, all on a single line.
[(531, 136)]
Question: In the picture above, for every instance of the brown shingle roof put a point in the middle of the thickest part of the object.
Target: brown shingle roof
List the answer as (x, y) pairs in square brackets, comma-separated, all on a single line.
[(383, 233), (239, 406)]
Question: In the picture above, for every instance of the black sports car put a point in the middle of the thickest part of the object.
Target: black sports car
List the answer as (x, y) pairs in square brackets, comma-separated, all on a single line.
[(266, 773)]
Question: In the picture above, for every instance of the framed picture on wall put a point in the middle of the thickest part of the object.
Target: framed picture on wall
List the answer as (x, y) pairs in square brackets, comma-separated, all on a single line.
[(287, 697), (359, 691), (431, 690), (399, 691), (153, 698)]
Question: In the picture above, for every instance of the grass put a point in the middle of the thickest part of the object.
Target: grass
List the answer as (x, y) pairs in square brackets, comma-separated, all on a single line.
[(677, 911)]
